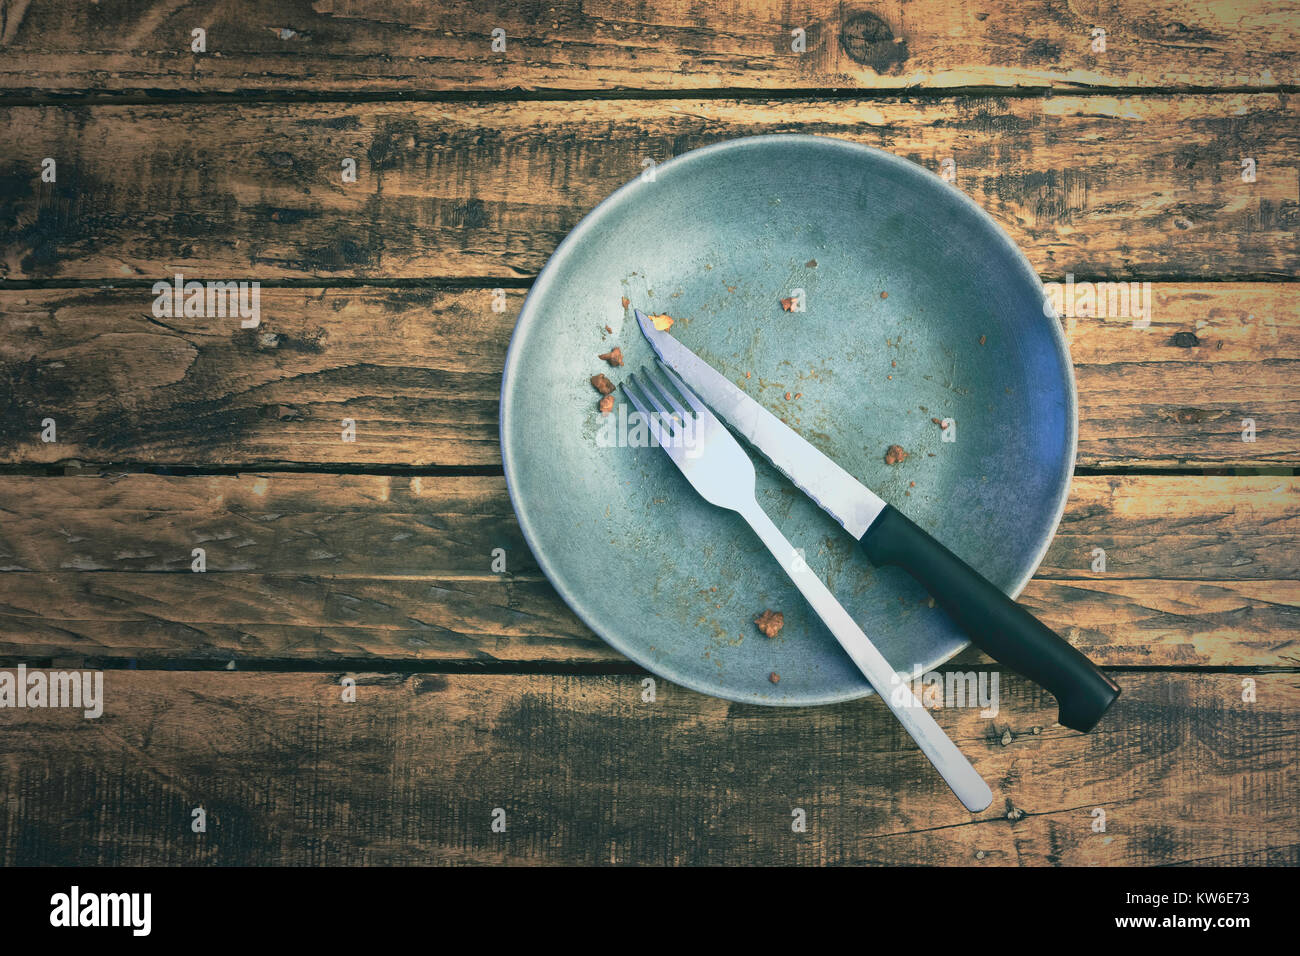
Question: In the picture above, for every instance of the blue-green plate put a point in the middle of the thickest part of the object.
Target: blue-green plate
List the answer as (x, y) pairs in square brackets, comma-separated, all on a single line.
[(918, 306)]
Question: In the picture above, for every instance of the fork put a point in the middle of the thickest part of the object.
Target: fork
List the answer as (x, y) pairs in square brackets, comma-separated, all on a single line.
[(719, 469)]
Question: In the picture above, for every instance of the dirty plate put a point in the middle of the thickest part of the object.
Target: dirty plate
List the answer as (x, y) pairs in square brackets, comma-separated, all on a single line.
[(917, 307)]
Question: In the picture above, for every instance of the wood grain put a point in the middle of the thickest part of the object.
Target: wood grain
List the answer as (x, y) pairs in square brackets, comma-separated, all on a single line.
[(419, 373), (1094, 185), (405, 45), (1200, 572), (587, 772), (1182, 527)]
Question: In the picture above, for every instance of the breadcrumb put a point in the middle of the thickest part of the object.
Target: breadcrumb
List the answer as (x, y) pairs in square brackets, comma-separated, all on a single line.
[(770, 622)]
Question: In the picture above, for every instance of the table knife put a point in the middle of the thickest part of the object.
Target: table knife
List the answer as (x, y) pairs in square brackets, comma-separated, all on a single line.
[(992, 620)]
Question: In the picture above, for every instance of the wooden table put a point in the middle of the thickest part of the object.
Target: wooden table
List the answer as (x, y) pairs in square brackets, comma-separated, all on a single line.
[(371, 559)]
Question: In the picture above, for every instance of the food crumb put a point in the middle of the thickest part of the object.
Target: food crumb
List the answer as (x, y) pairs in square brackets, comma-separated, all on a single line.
[(894, 454), (884, 295), (893, 364), (662, 322), (983, 339), (937, 421), (787, 396), (626, 303), (602, 384), (798, 394), (911, 484), (788, 304), (608, 329), (770, 622), (606, 404), (811, 264), (747, 374), (614, 356), (774, 677)]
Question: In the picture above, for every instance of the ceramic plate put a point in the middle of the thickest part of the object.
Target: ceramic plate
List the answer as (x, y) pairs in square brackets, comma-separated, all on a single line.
[(917, 307)]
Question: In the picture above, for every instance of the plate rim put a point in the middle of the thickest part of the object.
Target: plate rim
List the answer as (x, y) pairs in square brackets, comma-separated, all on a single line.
[(604, 207)]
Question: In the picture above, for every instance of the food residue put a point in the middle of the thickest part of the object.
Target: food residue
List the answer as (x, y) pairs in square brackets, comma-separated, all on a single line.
[(787, 396), (983, 339), (894, 454), (770, 622), (606, 404), (774, 677), (937, 421), (811, 264), (601, 384), (662, 322), (788, 304), (625, 302), (614, 356), (884, 295)]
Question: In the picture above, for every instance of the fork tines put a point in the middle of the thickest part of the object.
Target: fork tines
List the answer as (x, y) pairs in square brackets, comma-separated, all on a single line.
[(666, 416)]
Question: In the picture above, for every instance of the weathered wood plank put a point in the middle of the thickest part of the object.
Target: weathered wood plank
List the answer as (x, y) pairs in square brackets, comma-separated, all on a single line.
[(1177, 527), (233, 618), (1200, 571), (407, 45), (1184, 527), (419, 373), (1147, 185), (587, 772), (219, 618)]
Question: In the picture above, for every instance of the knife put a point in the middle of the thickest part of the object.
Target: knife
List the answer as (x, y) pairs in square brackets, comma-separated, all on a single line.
[(995, 623)]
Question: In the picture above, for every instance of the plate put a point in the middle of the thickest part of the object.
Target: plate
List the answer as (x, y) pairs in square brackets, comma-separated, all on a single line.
[(916, 307)]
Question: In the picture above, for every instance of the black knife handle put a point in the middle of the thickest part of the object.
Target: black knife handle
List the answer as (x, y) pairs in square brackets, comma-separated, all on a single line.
[(997, 624)]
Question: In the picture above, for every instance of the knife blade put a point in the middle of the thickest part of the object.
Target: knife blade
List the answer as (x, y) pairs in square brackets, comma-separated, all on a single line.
[(994, 622), (839, 494)]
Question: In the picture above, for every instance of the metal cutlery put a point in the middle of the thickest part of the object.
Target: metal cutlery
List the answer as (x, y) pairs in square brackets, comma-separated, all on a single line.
[(721, 471), (994, 622)]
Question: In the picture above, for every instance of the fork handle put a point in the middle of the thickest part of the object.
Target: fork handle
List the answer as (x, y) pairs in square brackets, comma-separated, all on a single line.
[(951, 763)]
